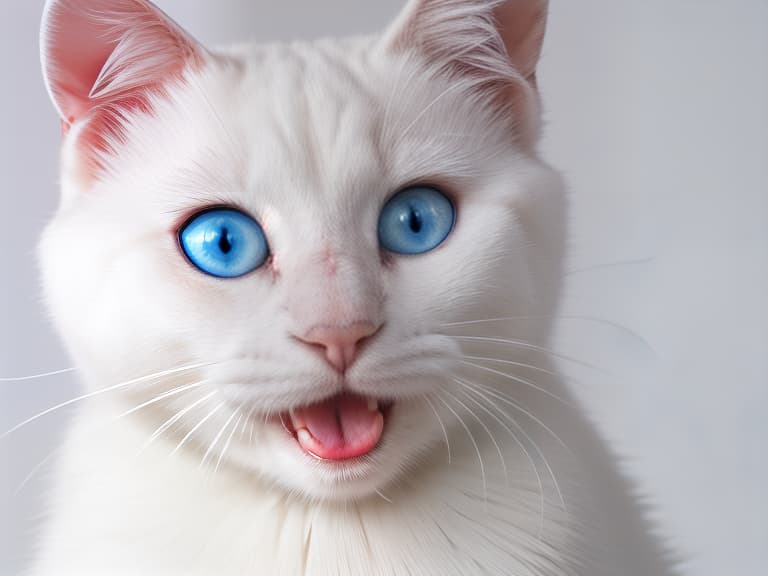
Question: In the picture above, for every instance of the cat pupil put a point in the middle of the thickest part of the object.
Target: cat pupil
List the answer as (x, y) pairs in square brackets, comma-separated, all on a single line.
[(225, 242), (415, 221)]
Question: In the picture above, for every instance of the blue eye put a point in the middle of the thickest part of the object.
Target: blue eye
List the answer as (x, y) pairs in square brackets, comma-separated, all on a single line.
[(224, 243), (416, 220)]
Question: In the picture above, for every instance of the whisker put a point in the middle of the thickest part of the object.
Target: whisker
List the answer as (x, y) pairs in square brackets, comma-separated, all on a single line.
[(601, 321), (34, 471), (560, 376), (513, 363), (522, 447), (196, 427), (39, 376), (251, 431), (529, 346), (173, 419), (474, 443), (383, 497), (519, 379), (247, 420), (99, 393), (169, 394), (229, 441), (616, 264), (507, 399), (527, 437), (442, 426), (52, 453), (215, 440), (244, 427), (487, 431)]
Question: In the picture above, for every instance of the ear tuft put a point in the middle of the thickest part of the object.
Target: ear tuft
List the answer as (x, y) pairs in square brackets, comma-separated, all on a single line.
[(490, 35), (521, 25), (98, 52), (495, 44)]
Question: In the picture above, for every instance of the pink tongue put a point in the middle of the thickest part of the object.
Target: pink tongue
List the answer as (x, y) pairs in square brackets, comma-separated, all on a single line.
[(340, 428)]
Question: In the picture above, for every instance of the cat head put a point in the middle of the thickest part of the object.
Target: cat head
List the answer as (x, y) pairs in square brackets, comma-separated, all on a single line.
[(283, 236)]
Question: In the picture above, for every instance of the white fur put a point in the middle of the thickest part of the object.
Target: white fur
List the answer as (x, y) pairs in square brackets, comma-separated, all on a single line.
[(312, 139)]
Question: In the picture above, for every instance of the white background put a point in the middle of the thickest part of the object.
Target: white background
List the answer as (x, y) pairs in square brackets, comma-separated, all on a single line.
[(658, 114)]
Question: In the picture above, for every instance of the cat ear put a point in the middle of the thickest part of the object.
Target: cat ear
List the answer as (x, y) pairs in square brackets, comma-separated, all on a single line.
[(97, 52), (496, 44), (477, 35)]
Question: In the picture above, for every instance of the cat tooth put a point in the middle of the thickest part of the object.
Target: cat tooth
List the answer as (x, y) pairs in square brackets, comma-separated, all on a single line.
[(304, 437), (373, 405)]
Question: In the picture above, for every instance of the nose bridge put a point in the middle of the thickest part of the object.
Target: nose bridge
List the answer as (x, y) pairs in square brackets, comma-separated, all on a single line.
[(335, 288)]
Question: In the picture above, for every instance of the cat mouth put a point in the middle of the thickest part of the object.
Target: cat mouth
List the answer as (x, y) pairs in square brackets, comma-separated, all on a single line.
[(342, 427)]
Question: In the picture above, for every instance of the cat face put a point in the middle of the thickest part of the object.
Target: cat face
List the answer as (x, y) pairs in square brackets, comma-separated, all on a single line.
[(285, 234)]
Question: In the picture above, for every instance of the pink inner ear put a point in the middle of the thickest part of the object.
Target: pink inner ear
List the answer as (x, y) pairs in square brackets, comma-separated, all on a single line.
[(102, 58), (96, 51), (522, 26), (72, 85)]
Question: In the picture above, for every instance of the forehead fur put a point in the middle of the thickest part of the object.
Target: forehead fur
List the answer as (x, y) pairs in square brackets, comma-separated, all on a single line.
[(330, 120)]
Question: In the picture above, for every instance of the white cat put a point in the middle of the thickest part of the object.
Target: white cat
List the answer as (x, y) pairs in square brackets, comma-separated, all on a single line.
[(309, 288)]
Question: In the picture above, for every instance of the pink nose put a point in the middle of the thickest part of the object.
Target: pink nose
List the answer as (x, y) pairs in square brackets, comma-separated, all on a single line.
[(341, 344)]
